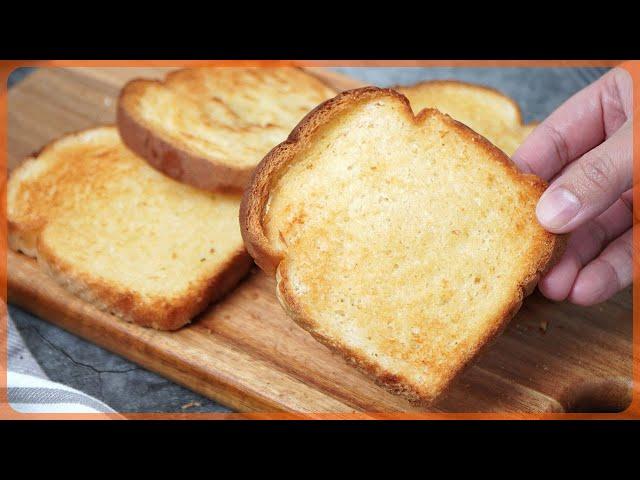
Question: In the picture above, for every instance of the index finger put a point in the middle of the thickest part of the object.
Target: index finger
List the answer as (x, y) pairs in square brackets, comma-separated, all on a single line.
[(577, 126)]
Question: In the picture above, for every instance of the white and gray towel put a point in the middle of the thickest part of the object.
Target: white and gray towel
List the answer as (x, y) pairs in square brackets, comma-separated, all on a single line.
[(29, 389)]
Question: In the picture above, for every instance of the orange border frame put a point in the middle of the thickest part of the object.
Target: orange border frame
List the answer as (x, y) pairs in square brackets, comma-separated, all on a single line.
[(6, 67)]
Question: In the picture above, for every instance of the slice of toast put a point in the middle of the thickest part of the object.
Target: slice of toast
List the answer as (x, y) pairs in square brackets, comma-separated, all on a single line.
[(487, 111), (209, 127), (121, 235), (403, 242)]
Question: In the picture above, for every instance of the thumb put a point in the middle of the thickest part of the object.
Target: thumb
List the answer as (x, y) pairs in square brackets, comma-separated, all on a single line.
[(588, 186)]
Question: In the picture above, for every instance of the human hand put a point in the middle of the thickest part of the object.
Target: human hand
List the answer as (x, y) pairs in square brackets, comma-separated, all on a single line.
[(584, 149)]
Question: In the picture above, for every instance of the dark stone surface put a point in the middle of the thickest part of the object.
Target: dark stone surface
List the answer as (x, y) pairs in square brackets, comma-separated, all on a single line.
[(18, 74), (119, 383), (538, 91), (128, 388)]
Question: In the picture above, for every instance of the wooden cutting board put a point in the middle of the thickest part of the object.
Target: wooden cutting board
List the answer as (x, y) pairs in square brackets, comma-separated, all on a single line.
[(247, 354)]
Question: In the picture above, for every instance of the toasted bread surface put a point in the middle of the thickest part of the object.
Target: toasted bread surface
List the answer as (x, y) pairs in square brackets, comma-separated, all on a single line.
[(120, 234), (209, 127), (487, 111), (404, 243)]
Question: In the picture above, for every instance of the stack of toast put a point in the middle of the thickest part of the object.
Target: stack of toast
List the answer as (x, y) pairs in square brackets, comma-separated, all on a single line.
[(399, 232), (149, 247)]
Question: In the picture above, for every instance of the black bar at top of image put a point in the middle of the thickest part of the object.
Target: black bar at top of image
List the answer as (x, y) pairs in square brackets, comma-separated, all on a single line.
[(323, 30), (551, 41)]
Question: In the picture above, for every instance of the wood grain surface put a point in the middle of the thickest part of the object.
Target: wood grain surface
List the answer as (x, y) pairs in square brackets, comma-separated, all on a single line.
[(244, 352)]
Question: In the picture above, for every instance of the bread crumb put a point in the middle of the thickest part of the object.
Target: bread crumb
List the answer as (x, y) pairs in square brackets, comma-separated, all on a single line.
[(190, 405), (543, 326)]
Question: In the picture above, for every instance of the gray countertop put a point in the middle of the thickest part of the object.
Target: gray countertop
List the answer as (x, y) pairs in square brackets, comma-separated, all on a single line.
[(128, 388)]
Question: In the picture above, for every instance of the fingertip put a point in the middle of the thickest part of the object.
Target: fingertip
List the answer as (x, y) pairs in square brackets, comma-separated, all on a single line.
[(583, 297), (556, 209), (550, 292), (520, 159), (557, 283), (534, 155), (595, 283)]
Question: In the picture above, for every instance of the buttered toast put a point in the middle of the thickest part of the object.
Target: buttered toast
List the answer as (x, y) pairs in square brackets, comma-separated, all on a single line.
[(404, 243), (490, 113), (121, 235), (209, 127)]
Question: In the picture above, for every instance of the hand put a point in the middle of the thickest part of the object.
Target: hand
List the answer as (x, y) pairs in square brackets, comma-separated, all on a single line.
[(584, 149)]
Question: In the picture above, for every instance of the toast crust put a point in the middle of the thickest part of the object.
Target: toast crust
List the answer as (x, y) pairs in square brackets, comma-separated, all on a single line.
[(173, 156), (272, 261), (175, 160), (170, 314), (474, 86), (127, 304), (524, 127)]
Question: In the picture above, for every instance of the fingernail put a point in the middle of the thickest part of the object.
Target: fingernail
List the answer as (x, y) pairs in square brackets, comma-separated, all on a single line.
[(556, 208)]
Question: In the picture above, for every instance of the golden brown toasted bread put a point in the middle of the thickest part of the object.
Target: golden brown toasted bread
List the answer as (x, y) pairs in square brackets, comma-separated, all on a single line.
[(487, 111), (120, 234), (210, 127), (405, 243)]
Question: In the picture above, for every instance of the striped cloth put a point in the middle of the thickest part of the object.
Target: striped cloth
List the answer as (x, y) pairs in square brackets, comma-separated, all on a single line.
[(29, 389)]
